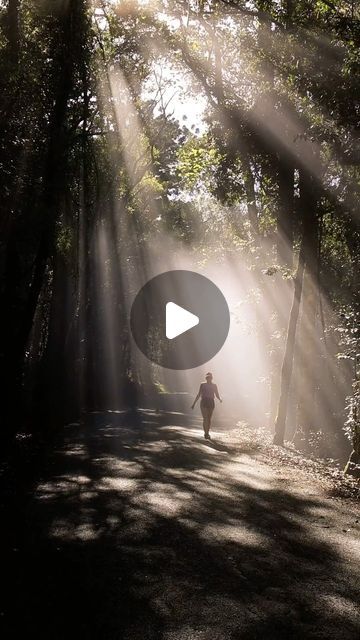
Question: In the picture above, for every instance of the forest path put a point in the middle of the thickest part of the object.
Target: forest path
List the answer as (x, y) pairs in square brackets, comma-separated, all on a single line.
[(149, 532)]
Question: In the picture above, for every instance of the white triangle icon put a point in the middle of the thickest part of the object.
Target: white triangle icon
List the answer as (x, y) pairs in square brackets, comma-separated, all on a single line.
[(178, 320)]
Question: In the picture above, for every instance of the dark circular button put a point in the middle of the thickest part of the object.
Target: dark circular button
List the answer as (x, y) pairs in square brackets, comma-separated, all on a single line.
[(180, 319)]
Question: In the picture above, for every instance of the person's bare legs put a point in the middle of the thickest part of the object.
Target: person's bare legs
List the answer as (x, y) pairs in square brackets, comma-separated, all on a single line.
[(210, 412), (203, 413), (206, 414)]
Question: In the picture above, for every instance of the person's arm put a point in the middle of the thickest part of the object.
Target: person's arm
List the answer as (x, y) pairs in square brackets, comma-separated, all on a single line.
[(217, 393), (197, 398)]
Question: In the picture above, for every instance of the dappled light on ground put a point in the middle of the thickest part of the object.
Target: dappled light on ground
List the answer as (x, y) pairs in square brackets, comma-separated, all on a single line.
[(141, 529)]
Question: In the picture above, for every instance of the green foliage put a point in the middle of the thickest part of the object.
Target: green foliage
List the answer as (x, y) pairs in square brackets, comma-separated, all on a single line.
[(350, 350), (197, 163), (64, 241)]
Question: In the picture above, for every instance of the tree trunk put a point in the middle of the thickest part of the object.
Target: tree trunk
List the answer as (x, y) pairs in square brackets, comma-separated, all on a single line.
[(284, 256), (285, 218), (13, 31), (287, 366), (306, 257), (307, 355), (352, 467)]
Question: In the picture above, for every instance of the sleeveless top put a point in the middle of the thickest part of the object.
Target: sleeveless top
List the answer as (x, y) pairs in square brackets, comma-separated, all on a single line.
[(207, 390)]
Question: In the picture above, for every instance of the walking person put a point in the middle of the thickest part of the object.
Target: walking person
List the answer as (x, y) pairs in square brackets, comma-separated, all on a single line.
[(207, 392)]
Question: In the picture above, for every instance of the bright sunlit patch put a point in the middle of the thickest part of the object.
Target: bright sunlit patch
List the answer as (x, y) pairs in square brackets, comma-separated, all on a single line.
[(234, 533), (63, 530), (122, 485)]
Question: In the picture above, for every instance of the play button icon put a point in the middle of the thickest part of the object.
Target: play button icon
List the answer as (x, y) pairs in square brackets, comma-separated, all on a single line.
[(179, 319)]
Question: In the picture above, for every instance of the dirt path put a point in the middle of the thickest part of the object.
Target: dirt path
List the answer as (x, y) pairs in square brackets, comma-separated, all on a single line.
[(149, 532)]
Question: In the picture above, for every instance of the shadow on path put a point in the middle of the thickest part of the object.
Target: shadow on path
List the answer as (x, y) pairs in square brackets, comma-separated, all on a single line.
[(140, 529)]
